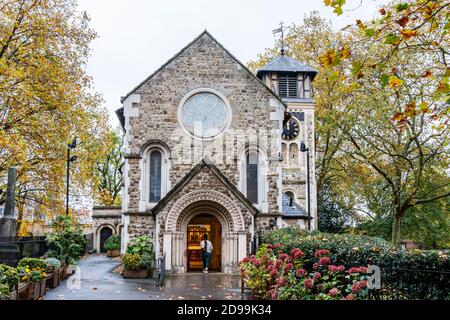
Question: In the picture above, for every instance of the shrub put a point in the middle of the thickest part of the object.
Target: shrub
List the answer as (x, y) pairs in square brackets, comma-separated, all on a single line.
[(132, 261), (346, 249), (8, 276), (140, 245), (66, 241), (146, 261), (4, 292), (32, 263), (276, 275), (423, 274), (113, 242), (53, 262)]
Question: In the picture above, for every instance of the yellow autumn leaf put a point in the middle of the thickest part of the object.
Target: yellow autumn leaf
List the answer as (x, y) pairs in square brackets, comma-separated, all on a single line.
[(407, 34), (395, 82)]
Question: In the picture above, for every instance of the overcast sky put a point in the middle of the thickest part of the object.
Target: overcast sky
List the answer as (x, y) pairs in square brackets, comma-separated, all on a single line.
[(137, 36)]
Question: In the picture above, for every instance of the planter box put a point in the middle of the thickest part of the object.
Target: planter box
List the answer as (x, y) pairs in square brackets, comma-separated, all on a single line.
[(29, 291), (43, 287), (53, 279), (13, 295), (63, 272), (135, 274), (113, 253)]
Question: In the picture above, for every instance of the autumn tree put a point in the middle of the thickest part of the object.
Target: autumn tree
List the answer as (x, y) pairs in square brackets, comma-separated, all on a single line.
[(109, 171), (46, 100)]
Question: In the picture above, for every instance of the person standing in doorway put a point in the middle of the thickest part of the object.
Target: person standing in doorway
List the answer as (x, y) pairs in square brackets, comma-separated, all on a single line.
[(207, 249)]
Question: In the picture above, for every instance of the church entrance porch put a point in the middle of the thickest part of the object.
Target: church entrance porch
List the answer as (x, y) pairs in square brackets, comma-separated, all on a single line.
[(197, 228), (191, 216)]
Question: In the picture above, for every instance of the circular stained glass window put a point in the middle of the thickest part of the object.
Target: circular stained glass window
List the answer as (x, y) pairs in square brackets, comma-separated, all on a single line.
[(205, 115)]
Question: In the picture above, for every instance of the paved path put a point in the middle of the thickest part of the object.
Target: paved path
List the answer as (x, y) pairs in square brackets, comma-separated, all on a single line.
[(96, 281)]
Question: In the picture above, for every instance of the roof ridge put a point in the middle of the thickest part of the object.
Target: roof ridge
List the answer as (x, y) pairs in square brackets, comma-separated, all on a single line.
[(223, 48)]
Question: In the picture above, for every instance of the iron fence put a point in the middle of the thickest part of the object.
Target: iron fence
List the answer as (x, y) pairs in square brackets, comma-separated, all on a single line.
[(13, 249), (412, 284)]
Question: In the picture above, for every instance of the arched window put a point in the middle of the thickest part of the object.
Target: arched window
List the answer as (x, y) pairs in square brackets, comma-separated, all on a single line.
[(291, 198), (155, 176), (252, 176)]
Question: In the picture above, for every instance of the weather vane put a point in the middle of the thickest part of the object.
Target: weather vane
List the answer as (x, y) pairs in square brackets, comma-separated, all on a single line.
[(280, 30)]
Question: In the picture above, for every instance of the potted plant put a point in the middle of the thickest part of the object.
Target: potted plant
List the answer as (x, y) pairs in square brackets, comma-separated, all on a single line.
[(34, 272), (112, 245), (53, 272), (133, 266), (9, 279)]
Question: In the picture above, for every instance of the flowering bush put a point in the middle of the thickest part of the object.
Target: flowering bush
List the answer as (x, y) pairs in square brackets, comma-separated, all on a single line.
[(32, 270), (276, 275), (8, 276)]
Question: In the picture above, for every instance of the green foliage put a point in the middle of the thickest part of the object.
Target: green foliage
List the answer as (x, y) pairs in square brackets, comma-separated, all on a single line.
[(113, 242), (147, 261), (32, 263), (132, 261), (53, 262), (279, 275), (66, 241), (8, 276), (140, 245), (4, 292), (346, 249)]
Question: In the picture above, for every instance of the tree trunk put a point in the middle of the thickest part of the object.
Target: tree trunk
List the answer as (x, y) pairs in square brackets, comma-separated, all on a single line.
[(396, 236)]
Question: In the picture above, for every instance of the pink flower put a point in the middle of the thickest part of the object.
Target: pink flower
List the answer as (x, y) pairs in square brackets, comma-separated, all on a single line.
[(284, 257), (341, 268), (324, 261), (356, 288), (349, 297), (334, 292), (308, 283), (278, 263), (296, 253), (281, 282), (357, 270), (362, 284), (320, 253), (317, 276), (300, 272), (273, 293), (333, 268), (315, 266), (273, 273), (288, 267)]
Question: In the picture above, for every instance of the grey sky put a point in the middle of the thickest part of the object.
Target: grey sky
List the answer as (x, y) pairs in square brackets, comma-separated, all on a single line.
[(137, 36)]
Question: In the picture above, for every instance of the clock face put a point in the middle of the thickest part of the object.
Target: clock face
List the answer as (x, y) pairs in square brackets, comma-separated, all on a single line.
[(205, 115), (292, 130)]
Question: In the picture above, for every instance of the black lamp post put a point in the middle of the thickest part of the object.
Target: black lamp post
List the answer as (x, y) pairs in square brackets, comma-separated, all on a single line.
[(70, 159), (303, 148)]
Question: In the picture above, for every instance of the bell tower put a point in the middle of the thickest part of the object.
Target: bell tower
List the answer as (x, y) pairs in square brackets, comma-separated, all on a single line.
[(292, 81)]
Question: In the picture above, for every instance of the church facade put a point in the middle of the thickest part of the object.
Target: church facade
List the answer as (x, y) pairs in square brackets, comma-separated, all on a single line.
[(213, 148)]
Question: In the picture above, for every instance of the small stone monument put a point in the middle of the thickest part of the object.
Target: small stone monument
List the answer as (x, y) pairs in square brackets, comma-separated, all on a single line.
[(9, 252)]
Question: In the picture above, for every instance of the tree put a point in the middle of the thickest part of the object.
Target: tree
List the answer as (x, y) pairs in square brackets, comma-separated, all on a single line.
[(109, 171), (46, 100)]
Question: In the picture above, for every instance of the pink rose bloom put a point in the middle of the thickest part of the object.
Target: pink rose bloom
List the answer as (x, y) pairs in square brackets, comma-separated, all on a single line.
[(315, 266), (362, 284), (278, 263), (317, 276), (273, 272), (341, 268), (308, 283), (320, 253), (356, 288), (324, 261), (296, 253), (334, 292), (288, 267), (281, 282), (349, 297), (300, 272)]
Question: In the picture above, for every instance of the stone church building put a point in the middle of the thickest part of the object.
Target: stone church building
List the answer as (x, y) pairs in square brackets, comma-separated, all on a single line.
[(213, 148)]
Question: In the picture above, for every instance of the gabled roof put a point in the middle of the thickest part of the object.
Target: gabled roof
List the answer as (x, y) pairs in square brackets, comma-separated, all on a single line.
[(205, 163), (286, 64), (223, 48)]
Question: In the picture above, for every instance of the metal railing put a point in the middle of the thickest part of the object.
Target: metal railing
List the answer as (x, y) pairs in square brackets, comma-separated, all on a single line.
[(161, 271), (412, 284)]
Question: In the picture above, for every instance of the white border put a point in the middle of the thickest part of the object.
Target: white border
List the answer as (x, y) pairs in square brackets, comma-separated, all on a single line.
[(205, 90)]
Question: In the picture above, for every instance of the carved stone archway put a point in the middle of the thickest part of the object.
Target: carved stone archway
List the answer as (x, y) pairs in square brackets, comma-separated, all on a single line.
[(234, 235)]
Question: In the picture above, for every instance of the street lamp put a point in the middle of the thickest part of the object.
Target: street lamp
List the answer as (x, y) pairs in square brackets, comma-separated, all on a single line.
[(303, 148), (70, 159)]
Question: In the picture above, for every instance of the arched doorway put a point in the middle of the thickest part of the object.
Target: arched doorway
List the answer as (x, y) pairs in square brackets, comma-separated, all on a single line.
[(105, 233), (199, 226)]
